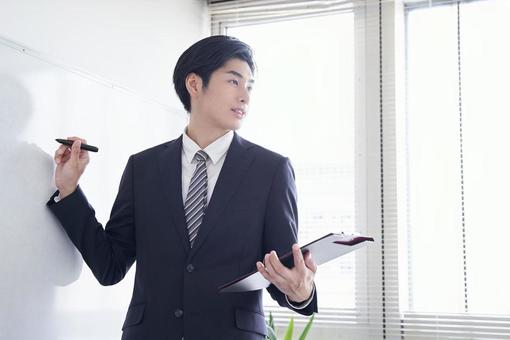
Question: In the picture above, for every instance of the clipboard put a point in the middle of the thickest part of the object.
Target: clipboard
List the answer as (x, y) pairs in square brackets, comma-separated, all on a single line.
[(323, 249)]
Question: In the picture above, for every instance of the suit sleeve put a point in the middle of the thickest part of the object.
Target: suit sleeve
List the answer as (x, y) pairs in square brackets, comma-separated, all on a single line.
[(108, 252), (281, 225)]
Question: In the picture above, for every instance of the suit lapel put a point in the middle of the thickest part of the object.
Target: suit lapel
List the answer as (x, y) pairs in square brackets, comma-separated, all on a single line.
[(236, 163), (170, 164)]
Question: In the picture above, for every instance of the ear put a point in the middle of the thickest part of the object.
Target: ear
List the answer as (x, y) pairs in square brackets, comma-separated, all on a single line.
[(193, 84)]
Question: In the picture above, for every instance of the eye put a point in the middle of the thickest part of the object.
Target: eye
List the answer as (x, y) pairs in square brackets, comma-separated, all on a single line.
[(233, 81)]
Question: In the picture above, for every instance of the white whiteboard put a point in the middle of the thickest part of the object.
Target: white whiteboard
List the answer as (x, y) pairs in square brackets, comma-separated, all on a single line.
[(45, 291)]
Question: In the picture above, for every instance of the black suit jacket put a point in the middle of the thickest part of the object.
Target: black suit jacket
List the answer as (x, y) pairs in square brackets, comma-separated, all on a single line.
[(251, 212)]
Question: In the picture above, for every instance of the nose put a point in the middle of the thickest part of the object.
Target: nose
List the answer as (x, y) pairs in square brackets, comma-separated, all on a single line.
[(244, 96)]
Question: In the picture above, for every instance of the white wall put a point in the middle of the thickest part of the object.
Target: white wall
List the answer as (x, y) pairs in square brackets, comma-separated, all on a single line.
[(134, 43), (101, 70)]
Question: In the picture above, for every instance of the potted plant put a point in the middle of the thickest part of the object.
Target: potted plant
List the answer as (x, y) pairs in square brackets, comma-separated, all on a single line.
[(271, 331)]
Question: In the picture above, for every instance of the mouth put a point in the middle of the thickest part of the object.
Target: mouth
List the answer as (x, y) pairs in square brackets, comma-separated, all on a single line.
[(240, 113)]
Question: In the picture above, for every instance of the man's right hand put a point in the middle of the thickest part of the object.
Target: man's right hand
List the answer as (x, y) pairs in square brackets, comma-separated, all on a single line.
[(71, 163)]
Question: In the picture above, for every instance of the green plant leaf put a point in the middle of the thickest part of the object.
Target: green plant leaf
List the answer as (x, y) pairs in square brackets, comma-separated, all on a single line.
[(290, 330), (271, 335), (271, 321), (307, 328), (271, 332)]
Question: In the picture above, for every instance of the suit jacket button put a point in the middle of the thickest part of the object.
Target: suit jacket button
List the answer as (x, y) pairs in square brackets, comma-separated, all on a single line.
[(178, 313), (190, 268)]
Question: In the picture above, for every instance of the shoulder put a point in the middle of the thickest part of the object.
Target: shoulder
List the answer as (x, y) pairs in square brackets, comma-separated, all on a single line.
[(156, 151), (261, 153), (267, 162)]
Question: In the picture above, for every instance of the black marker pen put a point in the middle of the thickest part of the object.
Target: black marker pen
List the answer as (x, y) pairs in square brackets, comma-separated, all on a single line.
[(82, 147)]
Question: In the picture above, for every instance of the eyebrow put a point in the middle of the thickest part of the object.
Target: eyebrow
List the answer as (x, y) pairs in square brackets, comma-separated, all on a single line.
[(239, 75)]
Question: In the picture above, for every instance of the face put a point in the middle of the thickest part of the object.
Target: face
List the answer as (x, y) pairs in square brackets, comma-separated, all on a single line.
[(224, 103)]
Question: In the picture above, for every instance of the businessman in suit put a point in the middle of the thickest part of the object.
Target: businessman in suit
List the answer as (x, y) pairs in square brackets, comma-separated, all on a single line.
[(194, 213)]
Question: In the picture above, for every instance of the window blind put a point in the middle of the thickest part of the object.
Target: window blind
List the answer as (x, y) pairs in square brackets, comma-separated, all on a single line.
[(363, 318), (409, 284), (455, 170), (249, 12)]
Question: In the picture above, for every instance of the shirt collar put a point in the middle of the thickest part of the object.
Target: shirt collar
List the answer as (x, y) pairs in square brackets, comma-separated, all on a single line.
[(216, 150)]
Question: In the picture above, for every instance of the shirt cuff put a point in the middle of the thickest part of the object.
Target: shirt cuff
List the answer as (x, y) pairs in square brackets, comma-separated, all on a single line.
[(304, 304)]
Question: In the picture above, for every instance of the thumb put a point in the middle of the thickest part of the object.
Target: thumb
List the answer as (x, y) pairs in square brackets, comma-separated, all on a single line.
[(75, 151)]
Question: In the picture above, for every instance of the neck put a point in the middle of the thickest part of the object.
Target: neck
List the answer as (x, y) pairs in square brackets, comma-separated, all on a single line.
[(203, 134)]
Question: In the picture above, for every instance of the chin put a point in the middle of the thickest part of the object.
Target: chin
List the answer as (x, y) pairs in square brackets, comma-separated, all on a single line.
[(233, 125), (228, 123), (236, 126)]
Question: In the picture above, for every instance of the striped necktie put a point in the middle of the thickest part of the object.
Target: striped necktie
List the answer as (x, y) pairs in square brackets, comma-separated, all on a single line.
[(196, 201)]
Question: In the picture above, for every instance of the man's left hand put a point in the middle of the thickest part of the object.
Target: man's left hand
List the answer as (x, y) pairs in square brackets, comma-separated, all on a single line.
[(296, 283)]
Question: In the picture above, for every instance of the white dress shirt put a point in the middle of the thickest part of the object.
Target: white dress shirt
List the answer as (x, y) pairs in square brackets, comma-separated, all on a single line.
[(217, 151)]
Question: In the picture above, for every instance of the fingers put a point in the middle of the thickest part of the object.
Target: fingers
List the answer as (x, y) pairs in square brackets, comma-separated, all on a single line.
[(275, 268), (296, 283), (262, 270), (74, 138), (60, 153), (82, 155), (272, 269), (265, 273), (310, 263), (75, 150), (299, 262), (64, 152)]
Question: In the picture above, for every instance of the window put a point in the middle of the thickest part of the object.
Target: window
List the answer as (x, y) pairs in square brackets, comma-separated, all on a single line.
[(415, 125), (456, 162), (304, 109), (472, 196)]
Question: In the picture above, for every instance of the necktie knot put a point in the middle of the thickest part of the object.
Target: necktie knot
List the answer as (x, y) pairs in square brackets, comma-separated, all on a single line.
[(201, 156)]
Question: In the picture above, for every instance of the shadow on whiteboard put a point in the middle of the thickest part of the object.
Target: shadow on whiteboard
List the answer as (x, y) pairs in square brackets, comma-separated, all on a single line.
[(35, 254)]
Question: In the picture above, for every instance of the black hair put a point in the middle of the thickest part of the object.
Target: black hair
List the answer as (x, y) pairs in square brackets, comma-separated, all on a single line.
[(206, 56)]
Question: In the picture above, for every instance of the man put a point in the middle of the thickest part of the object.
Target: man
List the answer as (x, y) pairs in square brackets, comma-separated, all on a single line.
[(195, 213)]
